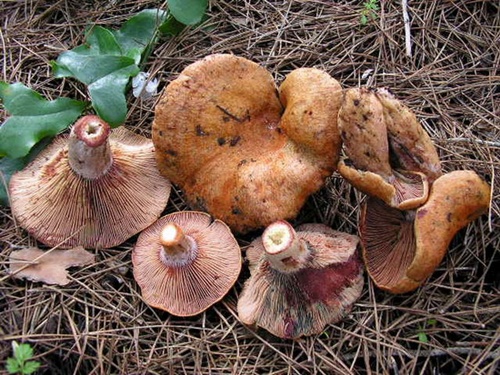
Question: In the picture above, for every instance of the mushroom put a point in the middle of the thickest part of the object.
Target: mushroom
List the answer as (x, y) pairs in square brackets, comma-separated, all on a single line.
[(231, 141), (389, 155), (300, 280), (95, 188), (401, 249), (185, 262)]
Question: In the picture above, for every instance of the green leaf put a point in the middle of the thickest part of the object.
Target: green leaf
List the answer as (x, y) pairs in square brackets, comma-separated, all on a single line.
[(422, 337), (23, 352), (171, 26), (12, 366), (189, 12), (32, 118), (108, 59), (30, 367), (139, 32), (10, 166)]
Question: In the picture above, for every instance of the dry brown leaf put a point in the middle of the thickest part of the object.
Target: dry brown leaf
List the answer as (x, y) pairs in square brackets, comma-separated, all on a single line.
[(47, 267)]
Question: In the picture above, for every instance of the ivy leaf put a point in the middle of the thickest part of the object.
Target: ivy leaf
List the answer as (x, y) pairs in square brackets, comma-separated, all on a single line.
[(189, 12), (171, 26), (32, 118), (108, 59), (9, 166), (139, 33)]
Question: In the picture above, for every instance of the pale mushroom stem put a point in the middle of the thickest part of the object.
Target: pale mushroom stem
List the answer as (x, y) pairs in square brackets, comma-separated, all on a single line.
[(285, 251), (178, 249), (89, 153)]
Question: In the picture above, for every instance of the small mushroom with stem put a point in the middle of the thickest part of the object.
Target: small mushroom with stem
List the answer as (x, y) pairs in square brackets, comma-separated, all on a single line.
[(389, 155), (185, 262), (300, 280), (95, 188), (250, 138), (401, 249)]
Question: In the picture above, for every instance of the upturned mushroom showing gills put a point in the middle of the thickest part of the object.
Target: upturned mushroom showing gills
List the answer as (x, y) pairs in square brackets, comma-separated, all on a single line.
[(95, 188), (185, 262), (401, 249), (300, 280), (231, 141), (389, 155)]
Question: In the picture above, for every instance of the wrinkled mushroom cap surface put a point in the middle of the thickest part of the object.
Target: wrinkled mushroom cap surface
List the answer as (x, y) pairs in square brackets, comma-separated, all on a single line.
[(190, 289), (401, 249), (55, 205), (303, 302), (389, 155), (231, 140)]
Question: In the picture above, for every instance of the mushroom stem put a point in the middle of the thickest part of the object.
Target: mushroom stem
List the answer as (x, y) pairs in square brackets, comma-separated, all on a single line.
[(178, 249), (89, 154), (284, 250)]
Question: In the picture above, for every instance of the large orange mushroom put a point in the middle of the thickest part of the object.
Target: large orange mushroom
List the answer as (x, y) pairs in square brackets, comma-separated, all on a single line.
[(402, 249), (242, 150)]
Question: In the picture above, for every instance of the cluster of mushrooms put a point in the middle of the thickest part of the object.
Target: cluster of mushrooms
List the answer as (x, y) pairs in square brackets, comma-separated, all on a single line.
[(247, 155)]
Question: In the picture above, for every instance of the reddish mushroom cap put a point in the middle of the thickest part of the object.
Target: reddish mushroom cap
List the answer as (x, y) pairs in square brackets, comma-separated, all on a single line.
[(401, 249), (185, 262), (231, 140), (300, 280), (90, 189)]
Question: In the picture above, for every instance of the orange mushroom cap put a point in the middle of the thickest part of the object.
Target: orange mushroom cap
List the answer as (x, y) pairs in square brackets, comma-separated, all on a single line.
[(242, 150), (401, 249), (185, 262), (390, 156), (300, 280), (95, 188)]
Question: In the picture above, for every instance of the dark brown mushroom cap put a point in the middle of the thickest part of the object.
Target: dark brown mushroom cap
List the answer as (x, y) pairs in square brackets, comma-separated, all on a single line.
[(401, 249), (231, 140), (390, 156), (57, 206), (192, 288), (299, 303)]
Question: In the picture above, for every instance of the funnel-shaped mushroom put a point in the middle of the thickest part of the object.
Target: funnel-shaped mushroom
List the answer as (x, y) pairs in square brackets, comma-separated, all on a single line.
[(96, 188), (390, 156), (300, 280), (232, 141), (402, 248), (185, 262)]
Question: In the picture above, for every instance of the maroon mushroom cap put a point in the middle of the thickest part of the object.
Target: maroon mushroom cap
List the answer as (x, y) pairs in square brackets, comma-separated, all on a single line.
[(300, 280)]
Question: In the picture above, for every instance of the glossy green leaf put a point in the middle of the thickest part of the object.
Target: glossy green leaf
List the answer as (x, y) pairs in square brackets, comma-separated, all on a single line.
[(9, 166), (171, 26), (108, 59), (189, 12), (139, 32), (32, 118)]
